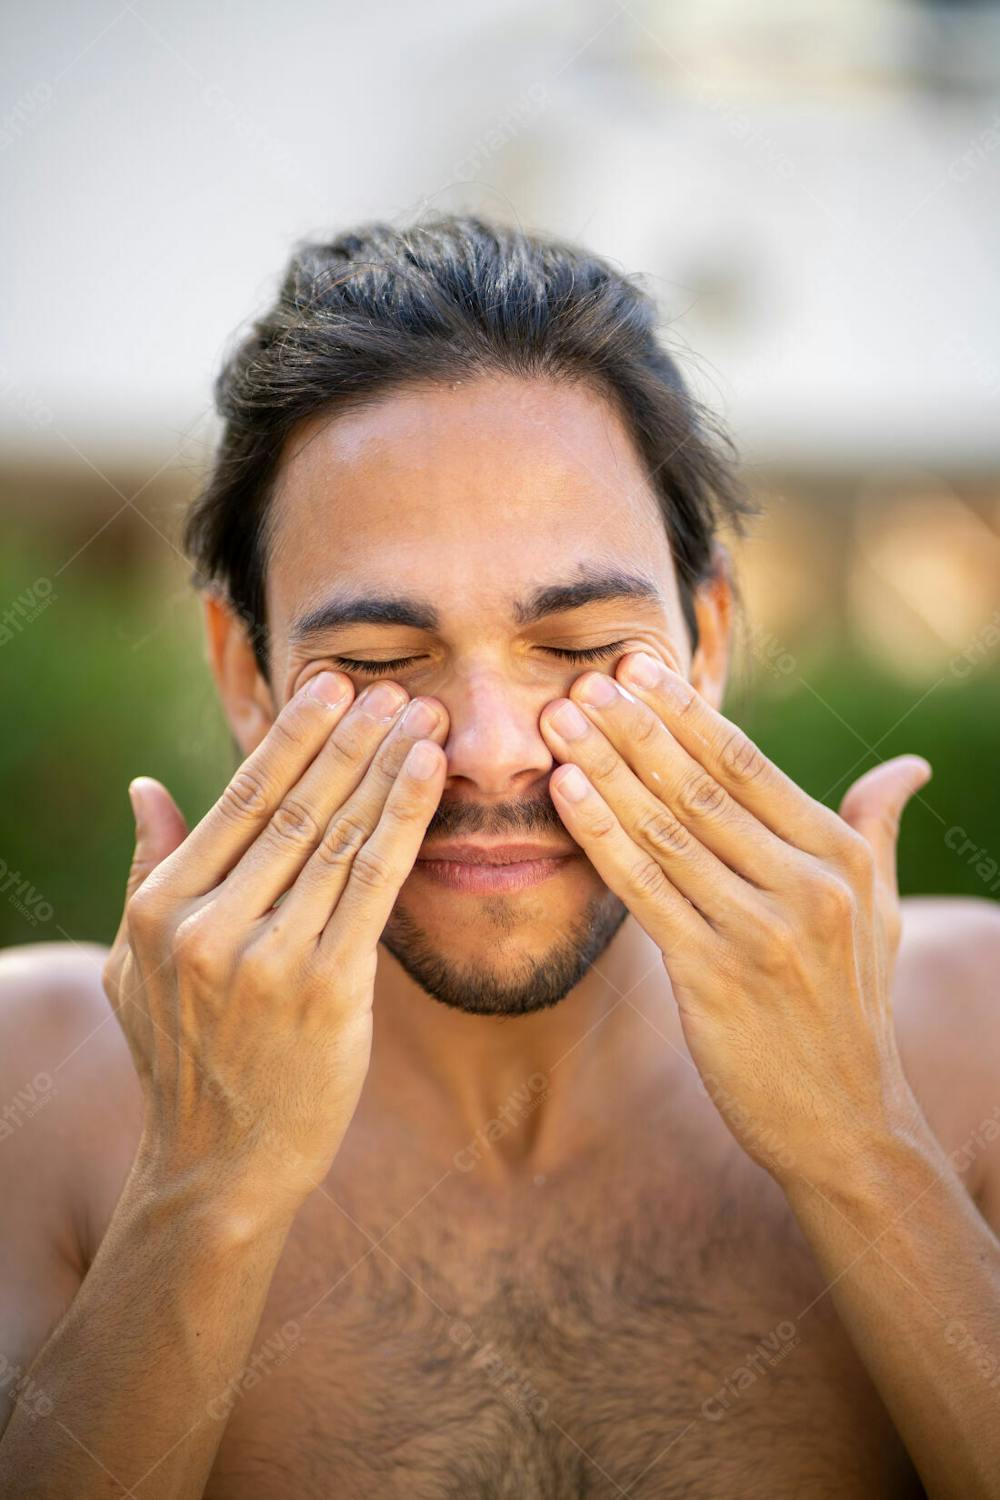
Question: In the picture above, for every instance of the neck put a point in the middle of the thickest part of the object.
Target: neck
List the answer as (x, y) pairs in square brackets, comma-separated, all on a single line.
[(525, 1093)]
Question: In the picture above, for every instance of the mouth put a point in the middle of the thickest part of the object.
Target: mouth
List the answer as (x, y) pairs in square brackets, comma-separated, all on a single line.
[(493, 867)]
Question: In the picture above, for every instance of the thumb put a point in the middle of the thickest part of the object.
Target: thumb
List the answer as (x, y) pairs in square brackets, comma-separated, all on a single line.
[(159, 828), (874, 805)]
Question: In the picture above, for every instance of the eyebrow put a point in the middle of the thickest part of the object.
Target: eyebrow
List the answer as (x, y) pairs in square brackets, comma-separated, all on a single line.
[(365, 609), (593, 587)]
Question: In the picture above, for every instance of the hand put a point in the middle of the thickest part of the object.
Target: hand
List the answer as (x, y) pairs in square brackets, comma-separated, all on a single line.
[(250, 1022), (778, 920)]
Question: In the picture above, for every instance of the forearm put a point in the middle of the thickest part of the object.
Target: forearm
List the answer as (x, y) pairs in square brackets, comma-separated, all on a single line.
[(134, 1372), (914, 1272)]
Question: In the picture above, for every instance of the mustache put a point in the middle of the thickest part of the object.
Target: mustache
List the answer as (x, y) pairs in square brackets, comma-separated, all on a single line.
[(534, 815)]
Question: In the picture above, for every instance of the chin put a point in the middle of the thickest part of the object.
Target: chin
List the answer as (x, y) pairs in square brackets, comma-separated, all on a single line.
[(502, 961)]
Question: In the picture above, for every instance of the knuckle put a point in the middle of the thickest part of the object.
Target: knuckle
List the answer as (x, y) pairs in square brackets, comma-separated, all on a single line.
[(830, 897), (856, 854), (197, 950), (342, 840), (741, 760), (701, 796), (603, 766), (245, 799), (288, 729), (342, 752), (372, 868), (296, 824), (143, 914), (405, 805), (645, 727), (686, 700), (602, 826), (662, 832), (646, 880)]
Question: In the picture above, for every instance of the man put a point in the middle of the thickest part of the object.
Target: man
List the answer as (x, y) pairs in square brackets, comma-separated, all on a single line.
[(510, 1087)]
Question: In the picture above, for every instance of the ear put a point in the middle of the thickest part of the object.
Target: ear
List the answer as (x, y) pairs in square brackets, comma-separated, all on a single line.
[(244, 691), (713, 607)]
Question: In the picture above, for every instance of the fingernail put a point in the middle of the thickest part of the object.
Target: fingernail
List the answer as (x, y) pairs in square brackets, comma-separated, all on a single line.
[(420, 718), (422, 760), (383, 701), (598, 690), (570, 722), (573, 784), (644, 670), (329, 688)]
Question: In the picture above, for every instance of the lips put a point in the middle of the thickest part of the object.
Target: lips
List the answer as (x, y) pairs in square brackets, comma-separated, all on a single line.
[(494, 854), (497, 868)]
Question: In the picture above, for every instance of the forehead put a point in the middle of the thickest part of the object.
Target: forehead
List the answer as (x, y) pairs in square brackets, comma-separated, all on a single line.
[(473, 490)]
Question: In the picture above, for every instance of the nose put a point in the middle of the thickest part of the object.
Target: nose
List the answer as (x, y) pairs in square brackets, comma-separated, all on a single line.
[(494, 745)]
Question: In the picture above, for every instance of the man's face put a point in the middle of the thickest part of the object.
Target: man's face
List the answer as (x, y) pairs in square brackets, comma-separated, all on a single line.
[(471, 515)]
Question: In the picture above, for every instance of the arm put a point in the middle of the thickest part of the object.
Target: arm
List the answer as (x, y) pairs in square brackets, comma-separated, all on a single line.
[(914, 1272), (249, 1024), (125, 1392), (779, 924), (925, 1271)]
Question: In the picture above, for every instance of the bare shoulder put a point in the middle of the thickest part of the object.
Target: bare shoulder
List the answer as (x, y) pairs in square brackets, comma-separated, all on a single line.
[(947, 1009), (50, 987), (69, 1114), (71, 1102)]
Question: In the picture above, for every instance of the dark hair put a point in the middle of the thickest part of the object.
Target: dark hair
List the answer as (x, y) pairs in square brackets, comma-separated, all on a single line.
[(384, 307)]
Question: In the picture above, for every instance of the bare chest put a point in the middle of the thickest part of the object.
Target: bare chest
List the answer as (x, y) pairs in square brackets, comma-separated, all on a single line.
[(601, 1343)]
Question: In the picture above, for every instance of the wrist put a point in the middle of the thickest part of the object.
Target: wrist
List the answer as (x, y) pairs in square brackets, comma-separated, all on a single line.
[(226, 1205), (874, 1163), (869, 1145)]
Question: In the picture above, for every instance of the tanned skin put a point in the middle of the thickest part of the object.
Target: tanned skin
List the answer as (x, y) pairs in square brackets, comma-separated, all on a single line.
[(719, 1220)]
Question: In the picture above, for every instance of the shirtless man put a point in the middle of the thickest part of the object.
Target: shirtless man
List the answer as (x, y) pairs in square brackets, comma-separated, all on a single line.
[(640, 1164)]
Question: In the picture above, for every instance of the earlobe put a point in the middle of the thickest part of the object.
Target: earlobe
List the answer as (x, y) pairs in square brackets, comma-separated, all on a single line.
[(713, 605), (243, 690)]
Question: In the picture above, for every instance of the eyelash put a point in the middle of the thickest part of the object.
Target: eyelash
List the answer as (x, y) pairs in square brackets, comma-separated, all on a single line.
[(375, 668)]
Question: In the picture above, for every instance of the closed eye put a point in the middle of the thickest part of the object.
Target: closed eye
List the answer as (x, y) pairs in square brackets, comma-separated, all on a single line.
[(590, 653), (399, 663)]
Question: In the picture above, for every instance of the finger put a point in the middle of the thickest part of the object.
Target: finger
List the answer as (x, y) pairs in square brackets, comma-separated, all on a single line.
[(227, 829), (354, 895), (159, 830), (695, 871), (683, 784), (874, 805), (752, 780), (634, 875), (344, 788), (323, 880)]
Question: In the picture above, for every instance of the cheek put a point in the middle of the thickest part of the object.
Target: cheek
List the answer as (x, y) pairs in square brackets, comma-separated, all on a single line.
[(296, 677), (674, 643), (298, 674), (250, 720)]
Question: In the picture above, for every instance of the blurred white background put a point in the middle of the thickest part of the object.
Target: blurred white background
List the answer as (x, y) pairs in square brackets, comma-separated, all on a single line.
[(811, 189)]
